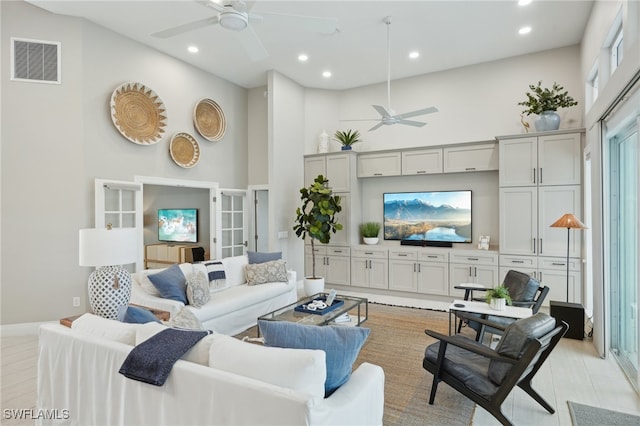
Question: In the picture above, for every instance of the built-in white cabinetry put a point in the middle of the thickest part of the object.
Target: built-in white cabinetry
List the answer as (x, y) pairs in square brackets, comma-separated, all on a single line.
[(419, 270), (422, 162), (335, 167), (332, 263), (551, 271), (369, 267), (470, 158), (540, 180), (472, 266), (379, 164)]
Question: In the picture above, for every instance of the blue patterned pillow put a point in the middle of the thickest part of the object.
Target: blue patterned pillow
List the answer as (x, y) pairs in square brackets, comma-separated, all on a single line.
[(135, 315), (341, 345), (262, 257), (171, 283)]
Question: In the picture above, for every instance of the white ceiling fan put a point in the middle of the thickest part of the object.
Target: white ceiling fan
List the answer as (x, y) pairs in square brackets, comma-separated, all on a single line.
[(235, 15), (388, 116)]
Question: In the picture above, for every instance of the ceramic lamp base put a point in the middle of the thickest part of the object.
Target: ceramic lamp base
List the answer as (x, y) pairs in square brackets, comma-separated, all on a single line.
[(109, 288)]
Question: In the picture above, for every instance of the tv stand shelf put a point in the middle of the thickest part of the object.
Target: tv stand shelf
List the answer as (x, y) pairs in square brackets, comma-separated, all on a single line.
[(160, 255)]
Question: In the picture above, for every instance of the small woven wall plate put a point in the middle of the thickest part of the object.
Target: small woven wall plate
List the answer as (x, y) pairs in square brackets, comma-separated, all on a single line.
[(138, 113), (208, 118), (184, 150)]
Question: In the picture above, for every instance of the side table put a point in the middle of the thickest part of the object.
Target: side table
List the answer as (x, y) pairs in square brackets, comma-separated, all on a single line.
[(160, 314)]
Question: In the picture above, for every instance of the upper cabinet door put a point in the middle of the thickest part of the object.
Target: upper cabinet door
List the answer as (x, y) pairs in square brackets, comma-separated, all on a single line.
[(339, 172), (471, 158), (379, 164), (422, 162), (559, 159), (519, 162), (314, 166)]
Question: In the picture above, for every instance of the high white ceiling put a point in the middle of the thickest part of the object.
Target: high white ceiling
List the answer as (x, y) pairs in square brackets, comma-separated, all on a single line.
[(448, 34)]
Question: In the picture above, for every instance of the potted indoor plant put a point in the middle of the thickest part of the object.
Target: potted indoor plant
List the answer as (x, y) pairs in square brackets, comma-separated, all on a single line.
[(544, 102), (498, 298), (347, 138), (316, 219), (369, 232)]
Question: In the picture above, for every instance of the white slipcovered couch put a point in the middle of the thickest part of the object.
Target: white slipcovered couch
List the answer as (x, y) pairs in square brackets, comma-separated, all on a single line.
[(221, 381), (234, 306)]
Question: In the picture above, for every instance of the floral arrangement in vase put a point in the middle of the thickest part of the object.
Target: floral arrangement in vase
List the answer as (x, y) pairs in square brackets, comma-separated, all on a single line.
[(544, 102)]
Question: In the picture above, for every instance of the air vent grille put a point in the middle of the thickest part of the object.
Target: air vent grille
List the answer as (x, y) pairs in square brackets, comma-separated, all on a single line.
[(35, 61)]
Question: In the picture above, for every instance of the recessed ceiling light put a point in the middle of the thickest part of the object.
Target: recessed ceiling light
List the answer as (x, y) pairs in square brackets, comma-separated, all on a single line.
[(326, 74), (193, 49), (524, 30), (523, 2), (302, 57), (414, 54)]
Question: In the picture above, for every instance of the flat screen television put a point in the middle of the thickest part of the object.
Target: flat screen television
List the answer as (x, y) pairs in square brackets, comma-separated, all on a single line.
[(428, 216), (178, 225)]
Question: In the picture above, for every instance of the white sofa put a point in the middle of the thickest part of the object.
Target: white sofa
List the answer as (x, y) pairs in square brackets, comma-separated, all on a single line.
[(79, 384), (234, 305)]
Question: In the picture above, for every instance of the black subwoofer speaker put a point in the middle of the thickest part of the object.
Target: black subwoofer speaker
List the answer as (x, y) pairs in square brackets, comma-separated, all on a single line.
[(572, 314)]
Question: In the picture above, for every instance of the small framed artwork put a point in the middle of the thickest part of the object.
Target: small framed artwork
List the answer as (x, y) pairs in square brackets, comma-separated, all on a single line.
[(483, 243)]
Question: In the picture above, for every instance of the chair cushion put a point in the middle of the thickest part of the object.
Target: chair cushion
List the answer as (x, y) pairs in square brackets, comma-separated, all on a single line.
[(522, 287), (515, 339), (467, 367), (341, 345)]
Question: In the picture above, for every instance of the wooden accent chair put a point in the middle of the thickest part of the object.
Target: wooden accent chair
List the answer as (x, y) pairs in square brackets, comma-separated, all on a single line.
[(487, 376)]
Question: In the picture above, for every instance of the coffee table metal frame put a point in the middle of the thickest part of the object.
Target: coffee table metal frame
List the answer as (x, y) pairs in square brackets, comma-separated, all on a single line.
[(287, 313)]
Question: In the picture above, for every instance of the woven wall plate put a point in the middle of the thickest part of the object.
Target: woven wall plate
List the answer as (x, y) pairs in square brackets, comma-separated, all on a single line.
[(209, 120), (184, 150), (138, 113)]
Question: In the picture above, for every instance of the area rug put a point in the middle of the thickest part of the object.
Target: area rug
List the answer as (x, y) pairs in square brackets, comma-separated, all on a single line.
[(586, 415)]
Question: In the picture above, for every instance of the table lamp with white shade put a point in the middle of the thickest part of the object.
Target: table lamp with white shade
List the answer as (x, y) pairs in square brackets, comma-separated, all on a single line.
[(110, 284)]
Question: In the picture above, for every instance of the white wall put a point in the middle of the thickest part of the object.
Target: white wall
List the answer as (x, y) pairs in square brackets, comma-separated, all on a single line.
[(476, 103), (257, 165), (57, 138)]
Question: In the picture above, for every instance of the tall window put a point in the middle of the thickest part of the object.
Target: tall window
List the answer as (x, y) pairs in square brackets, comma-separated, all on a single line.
[(617, 49)]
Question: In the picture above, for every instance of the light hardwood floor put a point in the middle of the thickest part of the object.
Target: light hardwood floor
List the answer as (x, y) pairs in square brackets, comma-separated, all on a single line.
[(573, 372)]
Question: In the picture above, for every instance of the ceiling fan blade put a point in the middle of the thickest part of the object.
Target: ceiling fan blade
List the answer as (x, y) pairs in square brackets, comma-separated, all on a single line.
[(429, 110), (411, 123), (376, 126), (364, 119), (190, 26), (381, 110), (314, 24), (252, 44)]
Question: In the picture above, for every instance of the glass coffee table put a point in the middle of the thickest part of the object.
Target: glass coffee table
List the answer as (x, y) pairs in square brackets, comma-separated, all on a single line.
[(353, 311)]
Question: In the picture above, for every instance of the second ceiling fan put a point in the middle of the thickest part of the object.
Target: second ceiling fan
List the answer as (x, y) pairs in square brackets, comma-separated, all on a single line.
[(387, 115)]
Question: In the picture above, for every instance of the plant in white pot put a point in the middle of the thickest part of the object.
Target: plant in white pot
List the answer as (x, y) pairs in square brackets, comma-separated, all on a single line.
[(498, 298), (316, 219), (370, 232), (544, 103)]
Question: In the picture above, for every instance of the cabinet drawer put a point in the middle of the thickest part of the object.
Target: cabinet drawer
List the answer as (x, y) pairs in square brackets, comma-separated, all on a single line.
[(375, 165), (422, 162), (528, 262), (319, 250), (475, 258), (558, 263), (338, 251), (403, 254), (433, 257), (369, 253)]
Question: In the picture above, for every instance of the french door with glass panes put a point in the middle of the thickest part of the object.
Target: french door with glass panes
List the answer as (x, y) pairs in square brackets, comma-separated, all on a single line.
[(231, 206)]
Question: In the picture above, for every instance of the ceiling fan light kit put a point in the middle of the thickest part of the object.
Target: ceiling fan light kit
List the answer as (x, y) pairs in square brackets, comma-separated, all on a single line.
[(233, 20)]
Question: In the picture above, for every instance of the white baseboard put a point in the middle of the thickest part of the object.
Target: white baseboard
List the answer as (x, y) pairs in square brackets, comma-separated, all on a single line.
[(22, 329)]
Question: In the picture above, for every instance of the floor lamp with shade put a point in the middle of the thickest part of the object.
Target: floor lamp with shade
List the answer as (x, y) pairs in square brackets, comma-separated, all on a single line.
[(571, 313)]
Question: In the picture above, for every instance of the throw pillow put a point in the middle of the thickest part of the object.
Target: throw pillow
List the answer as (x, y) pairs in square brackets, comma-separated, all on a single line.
[(171, 283), (185, 319), (198, 354), (341, 345), (297, 369), (234, 269), (100, 327), (135, 315), (216, 275), (261, 257), (268, 272), (198, 289)]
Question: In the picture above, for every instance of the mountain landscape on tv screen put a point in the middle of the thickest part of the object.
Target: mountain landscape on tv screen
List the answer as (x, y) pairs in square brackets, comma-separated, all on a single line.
[(420, 220)]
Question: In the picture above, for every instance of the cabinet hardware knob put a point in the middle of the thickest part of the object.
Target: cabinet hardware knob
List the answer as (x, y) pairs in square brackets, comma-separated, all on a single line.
[(517, 261), (421, 171), (470, 168)]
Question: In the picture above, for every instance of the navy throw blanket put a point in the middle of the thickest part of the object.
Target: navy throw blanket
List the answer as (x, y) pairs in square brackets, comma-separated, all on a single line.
[(152, 360)]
